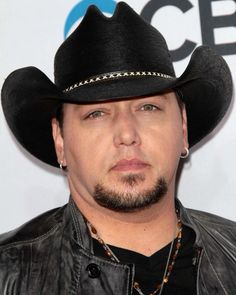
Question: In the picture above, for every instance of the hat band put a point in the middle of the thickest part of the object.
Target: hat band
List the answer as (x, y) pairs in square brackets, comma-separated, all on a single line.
[(115, 75)]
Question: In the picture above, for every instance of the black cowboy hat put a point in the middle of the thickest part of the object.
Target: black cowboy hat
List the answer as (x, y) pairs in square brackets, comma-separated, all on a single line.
[(107, 59)]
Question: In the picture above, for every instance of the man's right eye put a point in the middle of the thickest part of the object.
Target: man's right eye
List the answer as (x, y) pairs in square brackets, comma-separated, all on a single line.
[(95, 115)]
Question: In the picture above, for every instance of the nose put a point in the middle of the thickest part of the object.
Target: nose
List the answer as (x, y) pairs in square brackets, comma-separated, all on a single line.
[(126, 131)]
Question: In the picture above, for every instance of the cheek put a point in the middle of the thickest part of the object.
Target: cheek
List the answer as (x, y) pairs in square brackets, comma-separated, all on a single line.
[(165, 144), (174, 142), (77, 152), (85, 154), (165, 134)]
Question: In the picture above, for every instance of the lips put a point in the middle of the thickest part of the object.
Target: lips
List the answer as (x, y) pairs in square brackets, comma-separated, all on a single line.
[(126, 165)]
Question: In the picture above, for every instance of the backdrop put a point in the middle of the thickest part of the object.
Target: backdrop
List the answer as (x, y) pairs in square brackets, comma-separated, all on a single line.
[(31, 32)]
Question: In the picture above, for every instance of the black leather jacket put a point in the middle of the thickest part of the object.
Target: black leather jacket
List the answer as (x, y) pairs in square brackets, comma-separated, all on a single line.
[(53, 255)]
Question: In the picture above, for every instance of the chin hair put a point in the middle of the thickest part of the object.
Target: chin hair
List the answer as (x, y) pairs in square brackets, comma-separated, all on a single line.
[(130, 201)]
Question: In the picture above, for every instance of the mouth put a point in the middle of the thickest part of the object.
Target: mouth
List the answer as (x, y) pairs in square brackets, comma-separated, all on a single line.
[(129, 165)]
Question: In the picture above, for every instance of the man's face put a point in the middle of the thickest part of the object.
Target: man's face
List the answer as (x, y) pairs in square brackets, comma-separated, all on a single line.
[(122, 155)]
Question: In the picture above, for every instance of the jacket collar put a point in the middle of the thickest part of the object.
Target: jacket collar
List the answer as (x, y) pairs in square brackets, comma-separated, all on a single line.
[(82, 237), (79, 228), (187, 220)]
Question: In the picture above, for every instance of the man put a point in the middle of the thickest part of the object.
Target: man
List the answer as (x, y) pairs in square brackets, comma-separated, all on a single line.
[(117, 120)]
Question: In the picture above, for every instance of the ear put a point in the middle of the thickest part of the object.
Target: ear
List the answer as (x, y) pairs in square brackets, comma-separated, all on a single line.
[(185, 129), (58, 141)]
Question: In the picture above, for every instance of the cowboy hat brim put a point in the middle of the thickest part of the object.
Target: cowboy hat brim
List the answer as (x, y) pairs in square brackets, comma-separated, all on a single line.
[(30, 99)]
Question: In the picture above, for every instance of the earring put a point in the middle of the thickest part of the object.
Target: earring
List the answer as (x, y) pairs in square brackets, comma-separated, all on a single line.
[(61, 166), (186, 154)]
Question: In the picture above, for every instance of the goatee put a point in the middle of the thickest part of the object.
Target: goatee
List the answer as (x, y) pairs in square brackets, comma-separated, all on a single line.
[(130, 201)]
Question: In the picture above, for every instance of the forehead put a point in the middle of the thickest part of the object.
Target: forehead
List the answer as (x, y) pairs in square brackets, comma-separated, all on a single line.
[(125, 101)]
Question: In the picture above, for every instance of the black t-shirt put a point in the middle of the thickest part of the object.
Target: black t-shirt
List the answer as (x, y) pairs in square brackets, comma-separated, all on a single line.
[(149, 270)]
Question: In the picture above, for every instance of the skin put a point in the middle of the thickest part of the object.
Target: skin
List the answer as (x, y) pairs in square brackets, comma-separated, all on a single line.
[(108, 142)]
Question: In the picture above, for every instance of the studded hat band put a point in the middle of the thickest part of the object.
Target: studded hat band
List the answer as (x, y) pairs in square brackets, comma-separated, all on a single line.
[(115, 75)]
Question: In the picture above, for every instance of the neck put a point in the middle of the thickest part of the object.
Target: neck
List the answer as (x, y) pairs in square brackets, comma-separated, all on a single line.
[(144, 232)]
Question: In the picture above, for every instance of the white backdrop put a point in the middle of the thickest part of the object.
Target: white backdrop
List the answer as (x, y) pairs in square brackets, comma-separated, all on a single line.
[(31, 31)]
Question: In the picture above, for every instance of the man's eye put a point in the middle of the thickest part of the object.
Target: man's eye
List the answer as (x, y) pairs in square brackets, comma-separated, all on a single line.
[(149, 107), (95, 115)]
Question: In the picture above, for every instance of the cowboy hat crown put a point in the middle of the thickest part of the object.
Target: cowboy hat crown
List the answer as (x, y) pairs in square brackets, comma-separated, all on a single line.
[(111, 58)]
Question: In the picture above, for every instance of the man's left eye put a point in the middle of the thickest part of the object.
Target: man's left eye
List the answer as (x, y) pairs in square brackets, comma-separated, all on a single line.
[(149, 107)]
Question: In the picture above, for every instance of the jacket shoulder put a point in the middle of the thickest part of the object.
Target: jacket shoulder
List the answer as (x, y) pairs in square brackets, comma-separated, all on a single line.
[(211, 219), (216, 227), (33, 229)]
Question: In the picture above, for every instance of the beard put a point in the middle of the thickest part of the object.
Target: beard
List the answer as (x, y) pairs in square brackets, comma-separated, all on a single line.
[(130, 200)]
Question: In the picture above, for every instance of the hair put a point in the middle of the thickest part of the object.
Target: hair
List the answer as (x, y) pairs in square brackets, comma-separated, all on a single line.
[(179, 97), (59, 115)]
